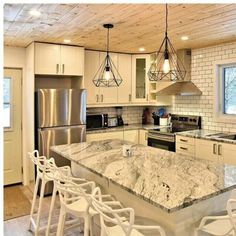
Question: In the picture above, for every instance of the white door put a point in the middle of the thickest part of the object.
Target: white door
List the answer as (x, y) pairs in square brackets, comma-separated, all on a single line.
[(91, 67), (108, 94), (125, 70), (12, 126), (72, 60), (47, 59)]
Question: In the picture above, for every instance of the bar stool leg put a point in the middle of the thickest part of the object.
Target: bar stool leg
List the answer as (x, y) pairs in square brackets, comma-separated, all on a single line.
[(51, 209), (34, 200), (40, 206), (86, 226), (61, 222)]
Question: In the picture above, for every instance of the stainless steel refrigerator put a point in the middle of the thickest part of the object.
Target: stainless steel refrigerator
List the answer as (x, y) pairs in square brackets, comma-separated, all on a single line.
[(60, 119)]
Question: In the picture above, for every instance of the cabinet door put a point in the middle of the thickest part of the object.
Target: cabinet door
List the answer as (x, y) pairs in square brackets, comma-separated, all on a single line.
[(104, 136), (140, 82), (47, 59), (91, 68), (143, 137), (227, 152), (72, 60), (125, 70), (131, 136), (206, 149), (108, 94)]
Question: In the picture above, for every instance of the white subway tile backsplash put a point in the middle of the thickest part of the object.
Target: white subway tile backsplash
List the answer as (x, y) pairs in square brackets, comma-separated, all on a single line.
[(202, 74)]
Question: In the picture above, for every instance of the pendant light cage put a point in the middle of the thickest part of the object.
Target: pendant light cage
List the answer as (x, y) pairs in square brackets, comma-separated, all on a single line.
[(107, 74), (166, 54), (100, 79)]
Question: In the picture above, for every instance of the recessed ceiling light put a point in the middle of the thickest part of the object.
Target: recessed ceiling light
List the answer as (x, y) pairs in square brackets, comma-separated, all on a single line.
[(141, 49), (67, 40), (35, 13), (184, 38)]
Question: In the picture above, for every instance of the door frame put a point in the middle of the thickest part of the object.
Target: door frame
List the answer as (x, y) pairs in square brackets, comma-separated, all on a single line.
[(21, 135)]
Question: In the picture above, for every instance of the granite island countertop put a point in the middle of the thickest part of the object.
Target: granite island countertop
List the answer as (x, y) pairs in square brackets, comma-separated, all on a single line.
[(165, 179), (208, 135)]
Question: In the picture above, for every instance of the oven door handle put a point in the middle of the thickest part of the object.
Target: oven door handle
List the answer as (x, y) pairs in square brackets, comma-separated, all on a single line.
[(172, 140)]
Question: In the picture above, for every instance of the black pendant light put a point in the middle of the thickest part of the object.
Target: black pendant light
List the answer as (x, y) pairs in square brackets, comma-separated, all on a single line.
[(166, 65), (107, 74)]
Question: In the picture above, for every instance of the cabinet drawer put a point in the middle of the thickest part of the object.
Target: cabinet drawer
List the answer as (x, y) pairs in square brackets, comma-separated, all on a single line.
[(185, 140), (185, 149)]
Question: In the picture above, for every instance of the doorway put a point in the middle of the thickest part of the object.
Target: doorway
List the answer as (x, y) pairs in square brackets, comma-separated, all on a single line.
[(12, 123)]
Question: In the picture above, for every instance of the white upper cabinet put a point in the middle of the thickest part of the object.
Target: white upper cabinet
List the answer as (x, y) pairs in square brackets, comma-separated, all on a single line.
[(52, 59), (72, 60), (91, 68), (140, 82), (47, 59), (125, 70), (108, 95)]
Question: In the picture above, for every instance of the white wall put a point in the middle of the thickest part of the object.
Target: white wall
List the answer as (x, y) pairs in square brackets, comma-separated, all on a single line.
[(203, 76), (15, 57)]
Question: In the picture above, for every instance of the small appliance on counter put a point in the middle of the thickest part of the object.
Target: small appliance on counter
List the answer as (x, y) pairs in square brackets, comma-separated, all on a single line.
[(112, 122), (160, 117), (120, 121), (96, 121)]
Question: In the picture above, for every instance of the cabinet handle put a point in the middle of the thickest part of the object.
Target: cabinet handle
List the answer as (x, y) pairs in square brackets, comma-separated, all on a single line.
[(102, 98), (57, 68), (183, 140), (183, 148), (147, 97), (219, 150), (214, 148), (146, 136), (63, 68), (130, 97), (97, 97)]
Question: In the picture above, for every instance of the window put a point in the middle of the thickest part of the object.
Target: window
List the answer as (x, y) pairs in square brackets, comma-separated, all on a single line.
[(229, 89), (7, 102)]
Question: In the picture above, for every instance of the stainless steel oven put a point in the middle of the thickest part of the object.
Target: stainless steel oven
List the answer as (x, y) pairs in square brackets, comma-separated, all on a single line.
[(96, 121), (166, 142)]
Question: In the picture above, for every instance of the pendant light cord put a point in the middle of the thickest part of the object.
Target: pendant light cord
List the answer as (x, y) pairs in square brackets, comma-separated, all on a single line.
[(107, 40), (166, 18), (166, 37)]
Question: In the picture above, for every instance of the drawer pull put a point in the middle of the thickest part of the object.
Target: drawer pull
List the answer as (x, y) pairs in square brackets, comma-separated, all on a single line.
[(97, 98), (219, 150), (214, 148), (183, 140), (57, 68), (183, 148)]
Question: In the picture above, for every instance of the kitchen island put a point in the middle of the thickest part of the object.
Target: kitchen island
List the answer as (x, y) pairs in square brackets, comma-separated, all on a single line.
[(173, 189)]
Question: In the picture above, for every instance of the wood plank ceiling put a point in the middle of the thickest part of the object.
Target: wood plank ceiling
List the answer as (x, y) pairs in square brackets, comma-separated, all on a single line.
[(135, 25)]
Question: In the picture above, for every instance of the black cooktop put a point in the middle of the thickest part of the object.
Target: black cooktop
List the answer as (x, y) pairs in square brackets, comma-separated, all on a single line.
[(172, 130)]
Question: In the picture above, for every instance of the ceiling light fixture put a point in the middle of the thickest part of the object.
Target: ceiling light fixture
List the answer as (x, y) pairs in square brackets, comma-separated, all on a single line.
[(166, 64), (142, 49), (107, 74), (35, 13), (67, 40), (184, 38)]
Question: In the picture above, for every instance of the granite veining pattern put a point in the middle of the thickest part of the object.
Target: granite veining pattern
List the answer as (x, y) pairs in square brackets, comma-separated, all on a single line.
[(165, 179), (208, 135)]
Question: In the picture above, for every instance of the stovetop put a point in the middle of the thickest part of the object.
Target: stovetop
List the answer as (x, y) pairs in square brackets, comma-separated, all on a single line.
[(179, 123)]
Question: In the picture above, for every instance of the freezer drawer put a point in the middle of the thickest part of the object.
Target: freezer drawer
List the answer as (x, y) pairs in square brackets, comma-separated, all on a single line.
[(60, 107), (61, 135)]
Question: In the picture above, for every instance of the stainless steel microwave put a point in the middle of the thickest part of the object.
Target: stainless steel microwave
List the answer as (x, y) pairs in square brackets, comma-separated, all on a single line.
[(96, 121)]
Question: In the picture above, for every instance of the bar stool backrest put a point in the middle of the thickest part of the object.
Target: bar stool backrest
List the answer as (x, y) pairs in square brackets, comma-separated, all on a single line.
[(109, 216), (231, 210)]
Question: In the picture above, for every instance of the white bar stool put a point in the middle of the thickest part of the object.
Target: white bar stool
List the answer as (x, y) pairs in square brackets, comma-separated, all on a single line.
[(121, 226), (41, 163), (220, 225)]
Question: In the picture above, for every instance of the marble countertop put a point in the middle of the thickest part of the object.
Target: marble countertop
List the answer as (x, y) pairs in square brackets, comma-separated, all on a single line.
[(125, 127), (165, 179), (208, 134)]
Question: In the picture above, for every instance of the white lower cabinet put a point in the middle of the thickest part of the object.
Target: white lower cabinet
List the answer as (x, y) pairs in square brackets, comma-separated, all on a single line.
[(185, 145), (104, 136), (131, 136), (143, 137), (228, 152)]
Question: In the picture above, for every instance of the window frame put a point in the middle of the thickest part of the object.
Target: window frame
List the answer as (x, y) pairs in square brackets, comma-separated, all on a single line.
[(10, 128), (218, 99)]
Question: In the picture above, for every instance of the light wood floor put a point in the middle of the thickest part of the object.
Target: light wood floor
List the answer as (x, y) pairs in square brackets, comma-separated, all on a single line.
[(19, 226)]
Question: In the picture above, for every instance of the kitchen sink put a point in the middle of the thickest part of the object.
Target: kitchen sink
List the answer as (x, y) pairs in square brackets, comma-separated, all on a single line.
[(231, 137)]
